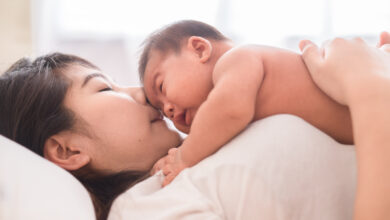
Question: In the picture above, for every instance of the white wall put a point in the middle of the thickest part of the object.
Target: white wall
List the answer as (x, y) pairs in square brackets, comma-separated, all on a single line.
[(109, 32), (15, 31)]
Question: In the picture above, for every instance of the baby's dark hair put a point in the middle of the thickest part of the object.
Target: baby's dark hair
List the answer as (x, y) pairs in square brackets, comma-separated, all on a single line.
[(171, 37), (32, 94)]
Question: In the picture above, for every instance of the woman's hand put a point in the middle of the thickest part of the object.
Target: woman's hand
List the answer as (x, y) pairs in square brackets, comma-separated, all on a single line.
[(343, 64), (358, 75), (171, 165), (384, 41)]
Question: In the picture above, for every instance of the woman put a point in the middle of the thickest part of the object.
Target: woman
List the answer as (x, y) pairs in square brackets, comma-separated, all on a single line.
[(63, 108)]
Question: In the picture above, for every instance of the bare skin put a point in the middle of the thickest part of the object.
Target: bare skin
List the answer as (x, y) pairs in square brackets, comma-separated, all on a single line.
[(361, 81), (248, 83), (288, 88), (125, 133)]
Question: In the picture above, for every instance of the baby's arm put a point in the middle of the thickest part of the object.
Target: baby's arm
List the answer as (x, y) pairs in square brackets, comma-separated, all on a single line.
[(229, 108)]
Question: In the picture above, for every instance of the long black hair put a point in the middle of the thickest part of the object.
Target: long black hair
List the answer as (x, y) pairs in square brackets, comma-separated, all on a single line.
[(32, 109)]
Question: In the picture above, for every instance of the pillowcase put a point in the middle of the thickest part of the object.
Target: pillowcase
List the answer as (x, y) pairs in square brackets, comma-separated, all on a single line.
[(33, 188)]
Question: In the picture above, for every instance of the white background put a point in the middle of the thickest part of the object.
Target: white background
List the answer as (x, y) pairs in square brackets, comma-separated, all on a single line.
[(109, 32)]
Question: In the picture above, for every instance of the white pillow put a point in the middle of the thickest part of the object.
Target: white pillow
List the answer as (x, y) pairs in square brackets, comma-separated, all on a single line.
[(34, 188)]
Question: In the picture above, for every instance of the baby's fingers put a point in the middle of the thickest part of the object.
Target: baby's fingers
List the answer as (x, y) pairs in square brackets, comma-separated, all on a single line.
[(158, 166), (168, 179), (166, 169)]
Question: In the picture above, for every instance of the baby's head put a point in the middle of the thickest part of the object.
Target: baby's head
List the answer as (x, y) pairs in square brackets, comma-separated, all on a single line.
[(176, 68)]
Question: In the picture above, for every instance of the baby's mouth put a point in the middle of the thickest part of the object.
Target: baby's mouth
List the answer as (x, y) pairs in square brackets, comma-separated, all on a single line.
[(180, 118), (188, 119)]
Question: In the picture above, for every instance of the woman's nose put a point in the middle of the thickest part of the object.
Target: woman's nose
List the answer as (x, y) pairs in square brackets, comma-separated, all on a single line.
[(138, 94)]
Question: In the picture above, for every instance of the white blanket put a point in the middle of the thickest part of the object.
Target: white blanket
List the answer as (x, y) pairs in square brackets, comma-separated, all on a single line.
[(278, 168)]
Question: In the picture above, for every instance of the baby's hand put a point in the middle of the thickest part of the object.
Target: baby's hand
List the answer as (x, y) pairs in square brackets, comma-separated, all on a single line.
[(171, 165), (158, 165)]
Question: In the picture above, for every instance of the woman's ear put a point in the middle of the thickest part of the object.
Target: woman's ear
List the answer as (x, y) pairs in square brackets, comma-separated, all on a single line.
[(60, 150), (201, 46)]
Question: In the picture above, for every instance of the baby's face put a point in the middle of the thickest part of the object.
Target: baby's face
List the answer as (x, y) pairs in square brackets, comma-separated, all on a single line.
[(177, 84)]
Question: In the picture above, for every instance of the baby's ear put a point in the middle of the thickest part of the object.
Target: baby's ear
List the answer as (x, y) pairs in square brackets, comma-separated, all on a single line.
[(201, 46), (61, 151)]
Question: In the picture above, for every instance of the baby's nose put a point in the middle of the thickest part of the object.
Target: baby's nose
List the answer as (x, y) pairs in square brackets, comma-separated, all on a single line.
[(168, 110)]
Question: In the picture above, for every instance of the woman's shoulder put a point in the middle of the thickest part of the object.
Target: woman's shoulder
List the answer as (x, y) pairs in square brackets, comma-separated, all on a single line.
[(148, 200), (268, 163), (265, 139), (280, 160)]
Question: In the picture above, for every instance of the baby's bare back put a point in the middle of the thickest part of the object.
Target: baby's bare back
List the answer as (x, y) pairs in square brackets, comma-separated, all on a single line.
[(288, 88)]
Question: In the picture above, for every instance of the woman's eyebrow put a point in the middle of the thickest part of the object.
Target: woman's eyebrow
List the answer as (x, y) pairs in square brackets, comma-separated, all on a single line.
[(91, 76)]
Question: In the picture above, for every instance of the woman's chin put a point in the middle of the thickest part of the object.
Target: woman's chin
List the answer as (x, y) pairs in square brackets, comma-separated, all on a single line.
[(178, 138), (167, 134), (175, 137)]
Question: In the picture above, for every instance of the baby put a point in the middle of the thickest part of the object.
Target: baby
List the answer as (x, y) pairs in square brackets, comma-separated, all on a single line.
[(212, 90)]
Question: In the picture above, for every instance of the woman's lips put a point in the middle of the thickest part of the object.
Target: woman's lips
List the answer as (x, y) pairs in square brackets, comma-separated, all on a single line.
[(156, 120)]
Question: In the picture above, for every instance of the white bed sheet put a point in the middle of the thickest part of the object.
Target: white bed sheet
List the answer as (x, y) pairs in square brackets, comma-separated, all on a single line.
[(279, 168)]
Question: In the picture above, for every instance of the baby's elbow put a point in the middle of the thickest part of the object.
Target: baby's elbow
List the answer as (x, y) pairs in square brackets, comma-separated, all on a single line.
[(242, 114)]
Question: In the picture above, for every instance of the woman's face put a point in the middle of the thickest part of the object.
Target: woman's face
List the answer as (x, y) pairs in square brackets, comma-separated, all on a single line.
[(126, 132)]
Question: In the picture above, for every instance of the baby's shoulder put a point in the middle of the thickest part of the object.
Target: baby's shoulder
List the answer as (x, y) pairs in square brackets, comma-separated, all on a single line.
[(241, 51), (257, 49), (253, 53), (239, 57)]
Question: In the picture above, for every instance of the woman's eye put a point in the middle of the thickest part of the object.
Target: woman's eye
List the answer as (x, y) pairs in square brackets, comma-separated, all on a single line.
[(105, 89)]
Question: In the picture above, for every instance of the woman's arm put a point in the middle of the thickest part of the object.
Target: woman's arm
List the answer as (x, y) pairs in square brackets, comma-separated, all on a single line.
[(358, 75)]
